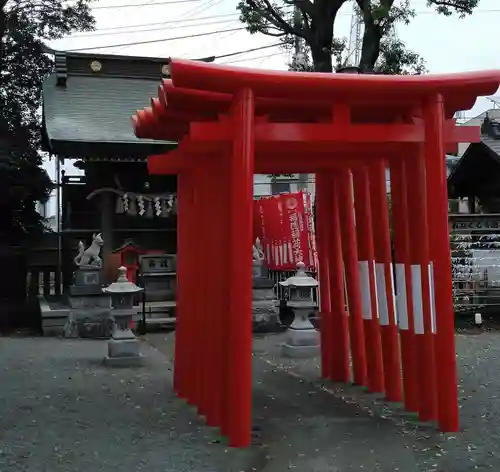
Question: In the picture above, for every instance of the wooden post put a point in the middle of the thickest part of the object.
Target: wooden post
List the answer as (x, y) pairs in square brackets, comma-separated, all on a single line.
[(240, 272), (323, 226), (184, 213), (340, 370), (107, 218), (350, 255), (404, 300), (366, 258), (385, 281), (419, 250), (437, 195)]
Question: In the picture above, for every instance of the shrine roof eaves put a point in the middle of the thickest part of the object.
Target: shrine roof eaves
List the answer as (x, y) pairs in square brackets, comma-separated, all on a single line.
[(92, 115), (478, 168), (87, 107)]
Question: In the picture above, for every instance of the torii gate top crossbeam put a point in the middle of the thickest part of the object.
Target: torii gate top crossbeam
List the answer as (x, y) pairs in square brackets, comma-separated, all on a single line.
[(321, 86), (360, 106)]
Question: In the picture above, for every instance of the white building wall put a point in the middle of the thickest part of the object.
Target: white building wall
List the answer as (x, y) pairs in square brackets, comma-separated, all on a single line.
[(262, 185)]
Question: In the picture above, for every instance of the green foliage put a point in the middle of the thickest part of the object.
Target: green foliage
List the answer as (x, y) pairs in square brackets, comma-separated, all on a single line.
[(395, 59), (314, 22), (24, 26)]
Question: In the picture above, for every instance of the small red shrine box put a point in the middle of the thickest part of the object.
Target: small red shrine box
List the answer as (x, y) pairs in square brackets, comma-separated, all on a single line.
[(129, 253)]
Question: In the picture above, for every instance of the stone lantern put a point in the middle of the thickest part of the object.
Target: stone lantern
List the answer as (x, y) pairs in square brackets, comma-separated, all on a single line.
[(302, 339), (123, 347)]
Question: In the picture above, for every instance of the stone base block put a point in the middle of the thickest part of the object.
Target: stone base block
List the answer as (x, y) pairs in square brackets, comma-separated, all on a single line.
[(300, 351), (302, 337), (123, 348), (84, 301), (91, 323), (134, 361)]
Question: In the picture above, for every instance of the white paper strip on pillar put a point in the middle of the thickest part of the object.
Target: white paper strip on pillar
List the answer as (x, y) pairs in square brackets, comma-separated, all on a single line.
[(366, 299), (433, 298), (346, 298), (393, 292), (416, 291), (401, 299), (383, 311)]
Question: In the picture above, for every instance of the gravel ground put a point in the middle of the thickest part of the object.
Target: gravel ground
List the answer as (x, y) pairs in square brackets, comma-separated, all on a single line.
[(310, 426), (475, 448), (305, 428), (61, 410)]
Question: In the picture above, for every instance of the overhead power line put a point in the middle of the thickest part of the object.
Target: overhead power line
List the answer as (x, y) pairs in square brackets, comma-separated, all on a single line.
[(137, 5), (245, 51), (172, 22), (255, 58), (147, 30), (206, 5), (151, 41)]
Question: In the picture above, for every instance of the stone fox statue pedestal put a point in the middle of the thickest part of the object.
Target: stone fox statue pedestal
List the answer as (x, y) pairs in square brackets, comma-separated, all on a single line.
[(89, 315), (264, 311)]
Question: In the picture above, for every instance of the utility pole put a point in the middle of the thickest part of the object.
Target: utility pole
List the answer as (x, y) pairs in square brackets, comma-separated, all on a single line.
[(355, 37), (302, 183)]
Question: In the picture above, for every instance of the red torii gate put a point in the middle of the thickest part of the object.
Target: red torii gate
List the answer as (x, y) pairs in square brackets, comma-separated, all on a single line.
[(233, 122)]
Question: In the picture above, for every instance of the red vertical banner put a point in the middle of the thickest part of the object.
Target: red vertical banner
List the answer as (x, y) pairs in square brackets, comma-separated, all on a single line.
[(265, 231), (272, 224), (257, 223), (295, 230), (283, 237), (313, 256), (286, 230)]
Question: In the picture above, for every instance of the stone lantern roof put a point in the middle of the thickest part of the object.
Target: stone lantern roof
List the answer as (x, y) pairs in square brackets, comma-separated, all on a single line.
[(300, 279), (122, 285)]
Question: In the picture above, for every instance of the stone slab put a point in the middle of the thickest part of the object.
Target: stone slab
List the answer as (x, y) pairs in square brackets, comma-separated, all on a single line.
[(89, 324), (90, 301), (262, 294), (259, 269), (265, 318), (136, 361), (300, 351), (123, 347), (84, 277), (85, 290), (302, 337), (262, 282)]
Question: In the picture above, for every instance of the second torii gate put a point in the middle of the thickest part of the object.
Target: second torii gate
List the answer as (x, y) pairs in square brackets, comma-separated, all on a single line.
[(231, 123)]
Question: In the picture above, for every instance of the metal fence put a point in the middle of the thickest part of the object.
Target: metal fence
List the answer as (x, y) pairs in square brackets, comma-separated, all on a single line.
[(475, 257)]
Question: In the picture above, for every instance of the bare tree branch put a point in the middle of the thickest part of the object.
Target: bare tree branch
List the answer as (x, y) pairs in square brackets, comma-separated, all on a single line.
[(270, 14)]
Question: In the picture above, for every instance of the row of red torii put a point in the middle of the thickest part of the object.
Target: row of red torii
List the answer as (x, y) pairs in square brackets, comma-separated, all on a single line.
[(231, 123)]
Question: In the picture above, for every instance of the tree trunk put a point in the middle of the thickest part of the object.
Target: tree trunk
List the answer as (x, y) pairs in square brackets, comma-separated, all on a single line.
[(371, 47), (322, 34), (3, 29), (322, 61)]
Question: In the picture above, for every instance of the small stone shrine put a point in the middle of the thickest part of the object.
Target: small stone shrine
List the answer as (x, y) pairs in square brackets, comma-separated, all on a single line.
[(302, 339), (123, 347), (264, 312), (89, 308)]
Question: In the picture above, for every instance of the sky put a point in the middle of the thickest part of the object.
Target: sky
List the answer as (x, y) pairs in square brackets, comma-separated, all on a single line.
[(448, 44)]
